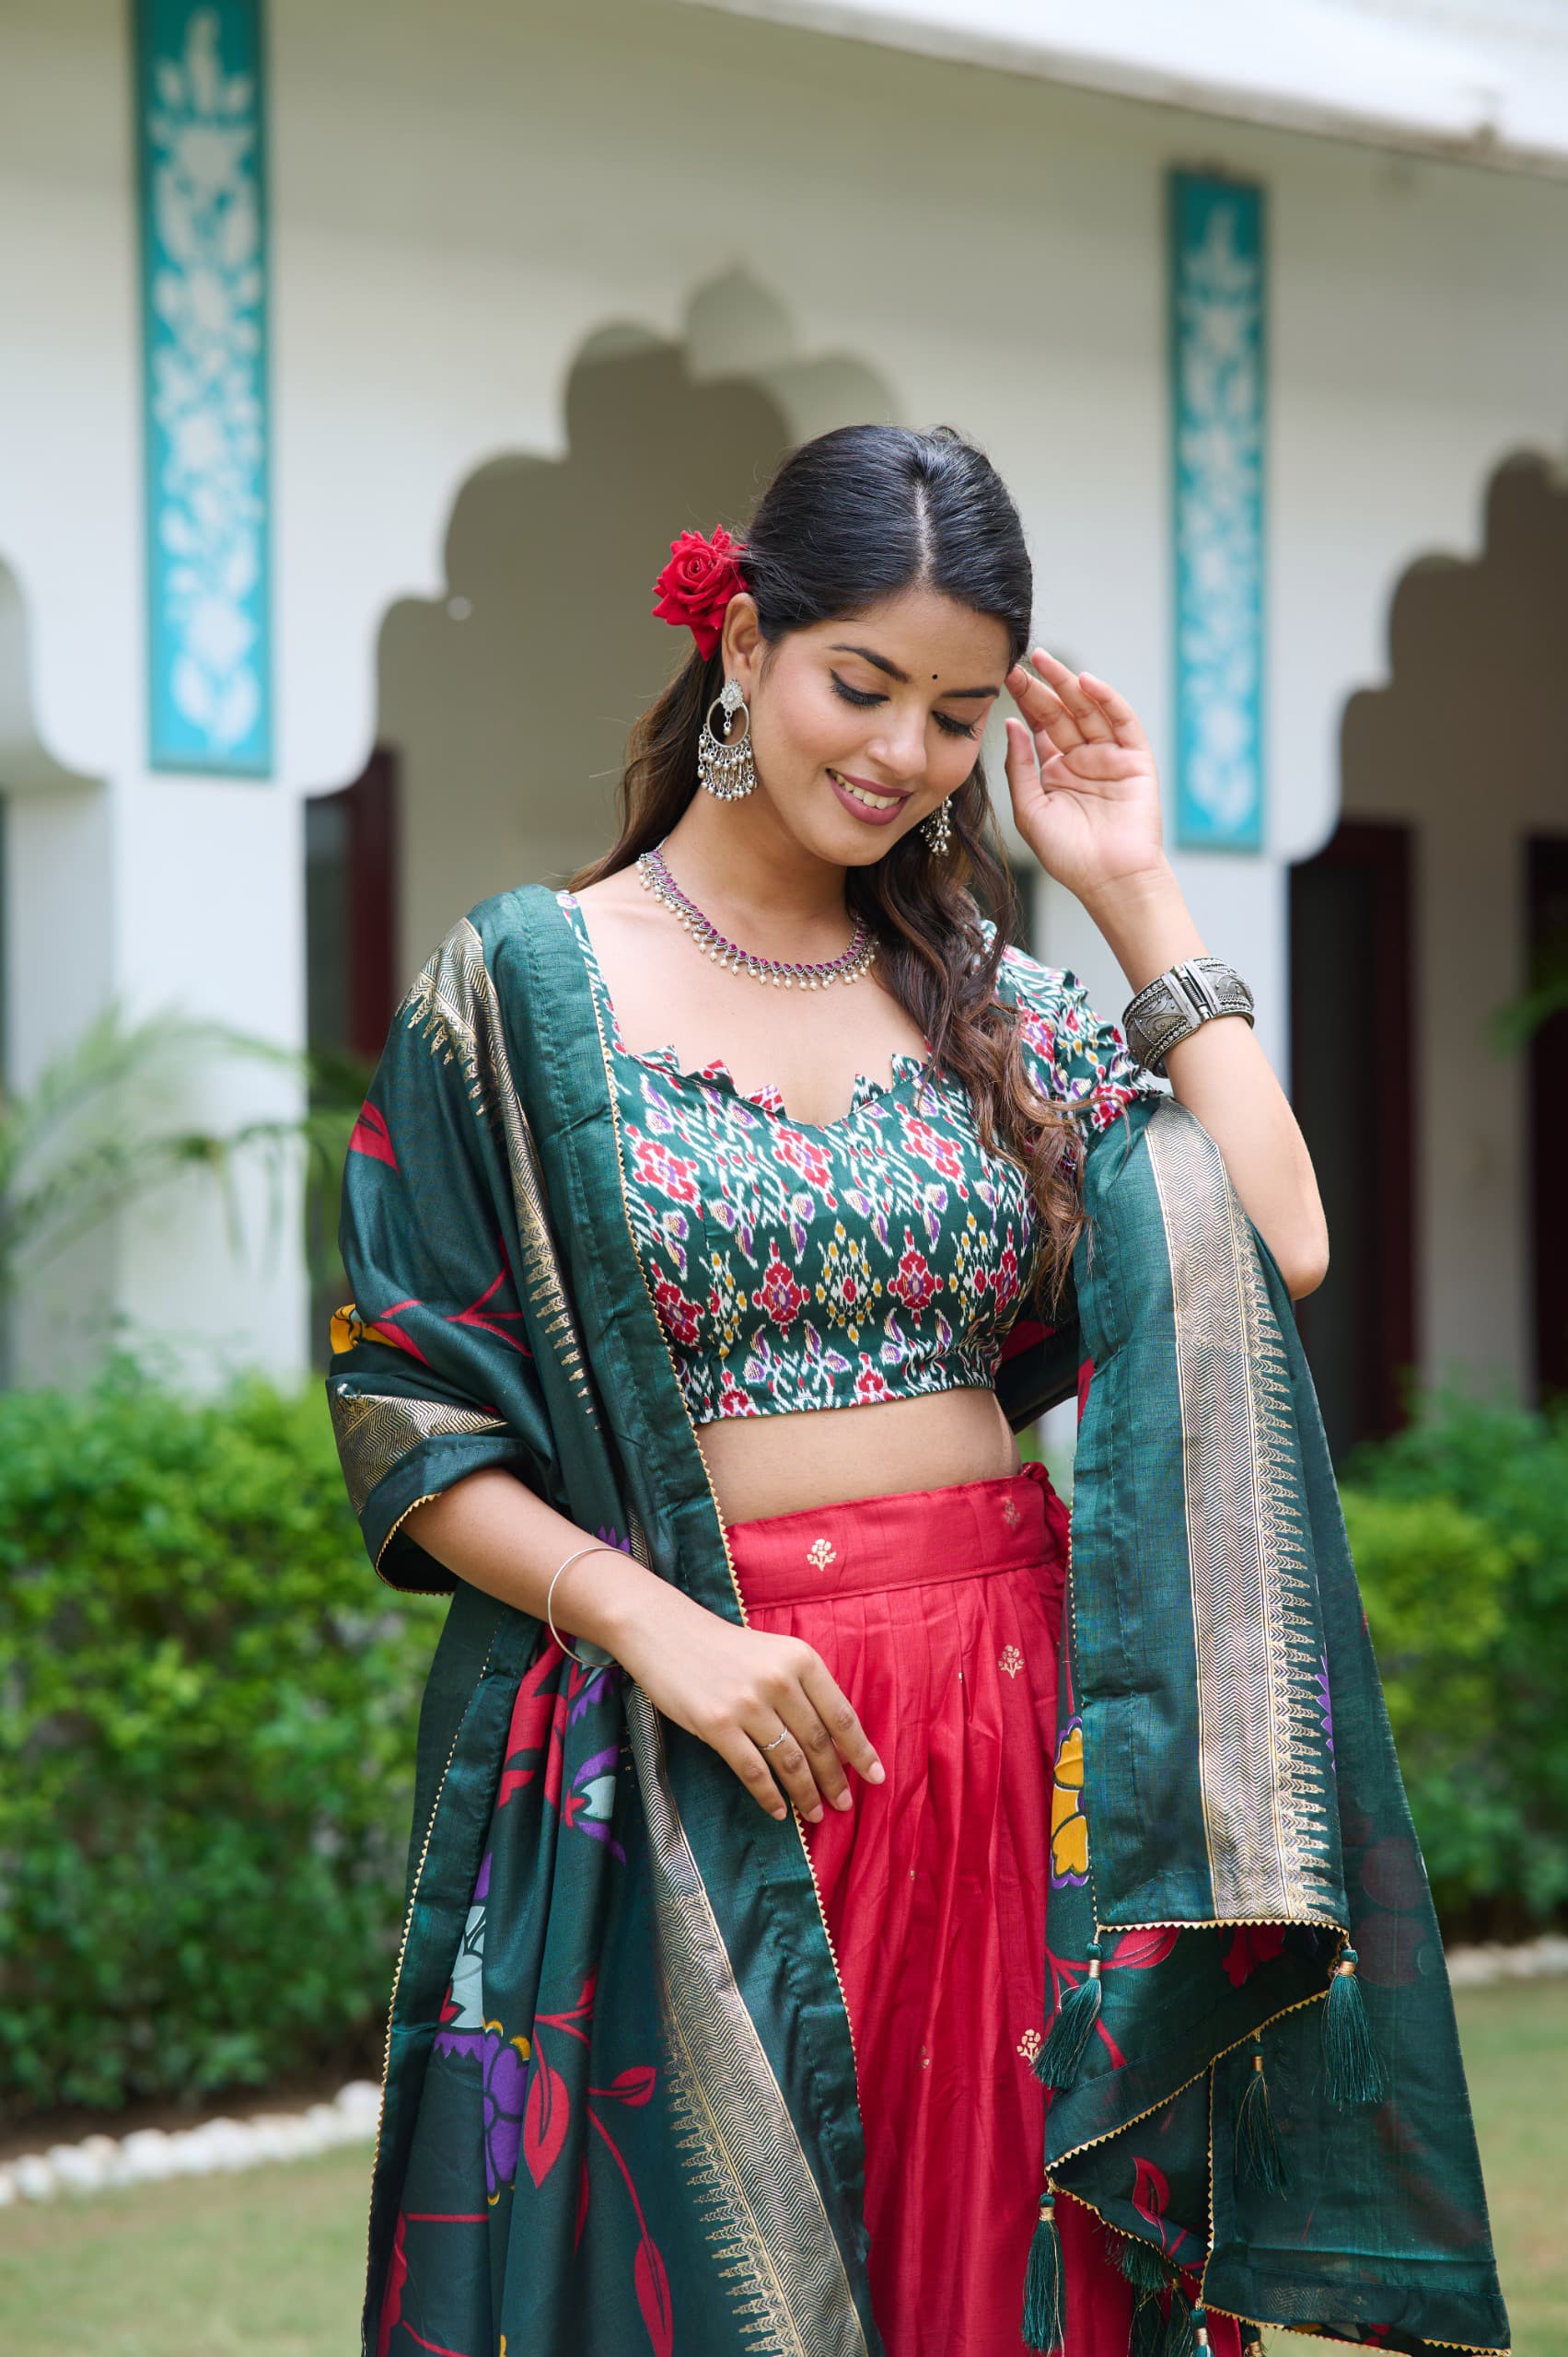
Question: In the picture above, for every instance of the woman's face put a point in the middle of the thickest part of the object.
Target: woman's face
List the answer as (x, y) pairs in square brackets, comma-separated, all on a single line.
[(859, 728)]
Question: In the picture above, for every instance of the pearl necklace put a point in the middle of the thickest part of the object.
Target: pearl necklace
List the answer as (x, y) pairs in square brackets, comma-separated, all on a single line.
[(655, 877)]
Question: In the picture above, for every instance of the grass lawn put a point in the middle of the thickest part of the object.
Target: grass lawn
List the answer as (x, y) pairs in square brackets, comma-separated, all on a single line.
[(269, 2263), (1515, 2042)]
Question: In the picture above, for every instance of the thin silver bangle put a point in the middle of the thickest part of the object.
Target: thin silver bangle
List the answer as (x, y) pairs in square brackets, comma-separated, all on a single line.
[(596, 1547)]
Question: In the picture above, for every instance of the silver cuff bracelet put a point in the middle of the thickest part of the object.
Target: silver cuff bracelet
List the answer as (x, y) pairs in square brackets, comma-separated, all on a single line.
[(1176, 1003)]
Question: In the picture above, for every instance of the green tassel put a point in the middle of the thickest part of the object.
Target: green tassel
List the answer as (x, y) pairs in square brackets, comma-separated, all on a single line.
[(1148, 2336), (1253, 2344), (1149, 2273), (1259, 2160), (1352, 2066), (1045, 2287), (1181, 2329), (1057, 2063), (1143, 2267)]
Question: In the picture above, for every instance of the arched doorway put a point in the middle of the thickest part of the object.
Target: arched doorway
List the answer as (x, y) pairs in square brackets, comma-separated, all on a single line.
[(504, 703), (509, 702), (1439, 1134)]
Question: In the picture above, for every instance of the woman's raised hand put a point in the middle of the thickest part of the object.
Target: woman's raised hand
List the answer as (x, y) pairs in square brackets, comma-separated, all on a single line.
[(1086, 793), (735, 1688)]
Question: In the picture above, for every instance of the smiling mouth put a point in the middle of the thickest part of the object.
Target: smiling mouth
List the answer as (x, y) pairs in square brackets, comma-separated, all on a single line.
[(863, 793)]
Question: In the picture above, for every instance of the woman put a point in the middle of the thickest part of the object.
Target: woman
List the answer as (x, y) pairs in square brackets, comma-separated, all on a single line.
[(754, 1953)]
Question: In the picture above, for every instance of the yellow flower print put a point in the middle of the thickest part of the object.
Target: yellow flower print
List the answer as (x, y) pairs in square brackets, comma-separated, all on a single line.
[(348, 1330), (727, 1304), (1069, 1828), (847, 1285), (971, 1276)]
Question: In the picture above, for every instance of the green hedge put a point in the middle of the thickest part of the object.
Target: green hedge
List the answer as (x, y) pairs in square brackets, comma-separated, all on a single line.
[(1459, 1529), (207, 1711), (207, 1708)]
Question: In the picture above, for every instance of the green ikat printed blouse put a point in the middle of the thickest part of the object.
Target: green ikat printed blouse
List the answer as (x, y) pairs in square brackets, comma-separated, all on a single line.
[(802, 1265)]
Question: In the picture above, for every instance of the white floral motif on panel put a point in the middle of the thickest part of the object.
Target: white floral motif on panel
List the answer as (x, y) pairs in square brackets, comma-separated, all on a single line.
[(1219, 479), (206, 362)]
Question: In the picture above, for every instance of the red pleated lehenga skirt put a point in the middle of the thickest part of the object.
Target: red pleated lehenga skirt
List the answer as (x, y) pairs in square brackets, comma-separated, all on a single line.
[(938, 1611)]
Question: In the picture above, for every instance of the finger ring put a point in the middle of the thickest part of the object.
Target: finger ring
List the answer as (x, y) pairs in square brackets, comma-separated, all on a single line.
[(777, 1740)]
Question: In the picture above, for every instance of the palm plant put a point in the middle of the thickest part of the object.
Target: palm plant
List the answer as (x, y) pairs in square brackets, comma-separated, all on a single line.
[(1516, 1024), (99, 1128)]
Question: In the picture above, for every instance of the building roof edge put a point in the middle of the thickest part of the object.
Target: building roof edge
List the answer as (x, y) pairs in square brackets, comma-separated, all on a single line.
[(1310, 66)]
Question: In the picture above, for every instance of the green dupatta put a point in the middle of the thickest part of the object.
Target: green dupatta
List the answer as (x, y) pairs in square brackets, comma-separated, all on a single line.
[(687, 2169)]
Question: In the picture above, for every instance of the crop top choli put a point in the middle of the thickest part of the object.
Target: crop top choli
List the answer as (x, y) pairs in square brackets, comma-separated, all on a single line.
[(797, 1265)]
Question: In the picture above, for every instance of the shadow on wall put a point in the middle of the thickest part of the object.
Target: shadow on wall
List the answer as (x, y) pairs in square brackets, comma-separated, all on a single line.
[(1436, 906), (507, 702), (503, 704)]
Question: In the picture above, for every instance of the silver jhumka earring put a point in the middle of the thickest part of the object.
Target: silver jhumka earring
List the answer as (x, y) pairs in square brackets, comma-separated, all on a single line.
[(723, 760), (937, 829)]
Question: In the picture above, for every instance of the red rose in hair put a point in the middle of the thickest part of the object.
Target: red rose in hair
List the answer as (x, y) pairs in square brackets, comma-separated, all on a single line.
[(697, 584)]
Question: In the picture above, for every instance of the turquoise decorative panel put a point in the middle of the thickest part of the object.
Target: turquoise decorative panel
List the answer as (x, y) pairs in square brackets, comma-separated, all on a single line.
[(199, 93), (1218, 387)]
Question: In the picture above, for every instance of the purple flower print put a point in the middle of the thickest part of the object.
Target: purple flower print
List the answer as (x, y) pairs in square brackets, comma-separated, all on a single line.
[(590, 1804), (460, 2041), (596, 1685), (505, 2080)]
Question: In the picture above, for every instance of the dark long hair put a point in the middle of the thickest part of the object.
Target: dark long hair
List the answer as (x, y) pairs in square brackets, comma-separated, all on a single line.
[(851, 518)]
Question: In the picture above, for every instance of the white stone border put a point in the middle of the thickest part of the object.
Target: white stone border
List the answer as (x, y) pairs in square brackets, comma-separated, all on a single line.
[(148, 2156), (1530, 1960)]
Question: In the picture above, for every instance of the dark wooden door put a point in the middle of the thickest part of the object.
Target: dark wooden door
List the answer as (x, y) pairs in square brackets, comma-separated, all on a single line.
[(1351, 1088), (352, 987), (1546, 864), (351, 911)]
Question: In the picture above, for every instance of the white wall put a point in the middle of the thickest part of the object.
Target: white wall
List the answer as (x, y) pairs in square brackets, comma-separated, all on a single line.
[(463, 196)]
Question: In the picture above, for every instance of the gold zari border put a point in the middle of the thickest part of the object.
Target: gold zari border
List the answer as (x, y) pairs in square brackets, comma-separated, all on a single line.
[(455, 1007), (376, 1430), (1261, 1750)]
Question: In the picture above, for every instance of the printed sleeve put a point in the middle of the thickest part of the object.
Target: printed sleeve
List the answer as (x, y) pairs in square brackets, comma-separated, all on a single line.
[(433, 1374), (1074, 1055)]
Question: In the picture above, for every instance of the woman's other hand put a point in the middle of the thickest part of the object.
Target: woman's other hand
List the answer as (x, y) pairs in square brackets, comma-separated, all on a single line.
[(1085, 792), (736, 1689)]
